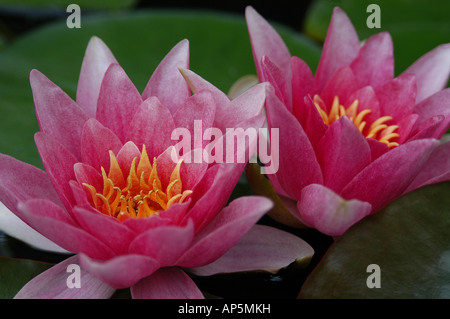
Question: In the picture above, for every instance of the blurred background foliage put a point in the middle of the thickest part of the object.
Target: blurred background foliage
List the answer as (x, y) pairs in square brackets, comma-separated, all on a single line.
[(34, 35)]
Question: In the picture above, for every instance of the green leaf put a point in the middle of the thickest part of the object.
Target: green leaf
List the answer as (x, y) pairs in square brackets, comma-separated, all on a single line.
[(219, 50), (15, 273), (416, 26), (409, 240)]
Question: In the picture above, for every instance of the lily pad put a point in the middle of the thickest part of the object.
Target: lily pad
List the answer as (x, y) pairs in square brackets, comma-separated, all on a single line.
[(409, 241), (219, 50)]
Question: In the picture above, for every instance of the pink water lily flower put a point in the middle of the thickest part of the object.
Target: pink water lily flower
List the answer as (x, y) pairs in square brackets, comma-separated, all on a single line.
[(352, 137), (112, 194)]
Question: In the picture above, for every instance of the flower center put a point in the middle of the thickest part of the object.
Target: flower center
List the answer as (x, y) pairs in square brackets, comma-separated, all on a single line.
[(378, 130), (141, 194)]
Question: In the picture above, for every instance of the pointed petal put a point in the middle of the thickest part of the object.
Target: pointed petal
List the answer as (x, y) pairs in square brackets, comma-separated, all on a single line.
[(397, 97), (96, 61), (435, 170), (341, 84), (302, 86), (437, 104), (262, 248), (105, 228), (277, 78), (96, 142), (20, 181), (13, 226), (342, 144), (374, 65), (225, 230), (54, 223), (166, 283), (388, 176), (328, 212), (167, 83), (121, 271), (58, 162), (340, 48), (153, 126), (58, 115), (298, 164), (126, 155), (432, 71), (118, 101), (53, 284), (266, 41), (165, 243)]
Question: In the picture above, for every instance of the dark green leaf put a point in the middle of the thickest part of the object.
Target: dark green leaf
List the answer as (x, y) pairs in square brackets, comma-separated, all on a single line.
[(409, 240)]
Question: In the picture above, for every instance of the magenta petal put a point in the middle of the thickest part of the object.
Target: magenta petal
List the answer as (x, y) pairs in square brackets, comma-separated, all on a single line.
[(432, 71), (342, 152), (165, 243), (105, 228), (374, 65), (121, 271), (152, 125), (277, 78), (96, 143), (118, 101), (302, 86), (298, 164), (437, 104), (266, 41), (21, 181), (388, 176), (53, 284), (58, 115), (87, 174), (262, 248), (341, 84), (96, 61), (167, 83), (55, 223), (435, 170), (397, 97), (340, 48), (196, 114), (166, 283), (367, 99), (58, 163), (328, 212), (225, 230)]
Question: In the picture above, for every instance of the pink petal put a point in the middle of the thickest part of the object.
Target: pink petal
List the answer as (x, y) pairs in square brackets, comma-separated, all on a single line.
[(58, 115), (340, 48), (96, 143), (225, 230), (121, 271), (53, 284), (153, 126), (126, 155), (406, 125), (298, 164), (376, 148), (262, 248), (341, 84), (118, 101), (21, 181), (167, 83), (96, 61), (141, 225), (429, 129), (201, 108), (165, 243), (437, 104), (58, 162), (55, 223), (302, 86), (105, 228), (367, 100), (242, 108), (397, 97), (342, 152), (266, 41), (388, 176), (87, 174), (328, 212), (277, 78), (435, 170), (432, 71), (166, 283), (310, 120), (374, 65)]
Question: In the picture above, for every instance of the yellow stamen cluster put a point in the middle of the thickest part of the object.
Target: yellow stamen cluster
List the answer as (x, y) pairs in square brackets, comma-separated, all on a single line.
[(378, 130), (140, 195)]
